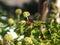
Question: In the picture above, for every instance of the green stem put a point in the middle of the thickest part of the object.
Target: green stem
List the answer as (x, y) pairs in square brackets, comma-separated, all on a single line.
[(27, 18), (18, 18)]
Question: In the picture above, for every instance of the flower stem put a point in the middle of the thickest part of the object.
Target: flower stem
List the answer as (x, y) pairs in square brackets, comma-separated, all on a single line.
[(27, 18), (18, 18)]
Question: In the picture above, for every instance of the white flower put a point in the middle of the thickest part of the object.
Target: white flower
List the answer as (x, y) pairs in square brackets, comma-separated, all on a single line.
[(13, 34), (7, 28), (10, 29), (57, 15), (58, 3), (3, 17), (58, 20), (1, 38), (21, 37)]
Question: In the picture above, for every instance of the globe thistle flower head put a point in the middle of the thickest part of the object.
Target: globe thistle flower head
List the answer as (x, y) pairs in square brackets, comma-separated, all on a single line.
[(14, 35), (8, 37), (42, 43), (26, 14), (11, 21), (18, 11), (28, 40), (19, 43), (23, 21)]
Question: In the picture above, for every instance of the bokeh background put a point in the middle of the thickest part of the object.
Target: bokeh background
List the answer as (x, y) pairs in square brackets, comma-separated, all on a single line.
[(29, 22)]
